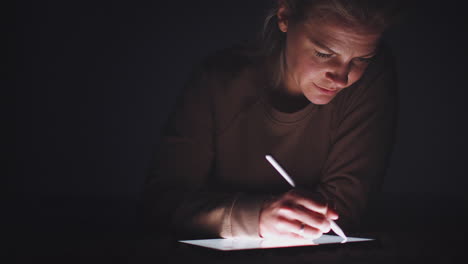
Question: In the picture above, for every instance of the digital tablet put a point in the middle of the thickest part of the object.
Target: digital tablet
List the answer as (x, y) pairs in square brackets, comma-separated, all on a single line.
[(253, 243)]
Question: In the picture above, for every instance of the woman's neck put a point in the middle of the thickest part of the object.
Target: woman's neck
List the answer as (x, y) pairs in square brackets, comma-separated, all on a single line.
[(285, 102)]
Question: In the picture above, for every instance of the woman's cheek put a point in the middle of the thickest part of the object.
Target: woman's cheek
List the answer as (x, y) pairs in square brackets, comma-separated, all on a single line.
[(355, 75), (312, 68), (361, 69)]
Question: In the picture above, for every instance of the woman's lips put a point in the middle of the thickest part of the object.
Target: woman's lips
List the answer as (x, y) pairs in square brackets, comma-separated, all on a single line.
[(325, 91)]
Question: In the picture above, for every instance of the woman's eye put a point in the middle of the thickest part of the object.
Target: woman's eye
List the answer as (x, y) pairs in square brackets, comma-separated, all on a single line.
[(365, 60), (322, 55)]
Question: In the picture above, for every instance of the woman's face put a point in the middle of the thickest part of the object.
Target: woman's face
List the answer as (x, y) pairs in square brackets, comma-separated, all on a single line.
[(323, 58)]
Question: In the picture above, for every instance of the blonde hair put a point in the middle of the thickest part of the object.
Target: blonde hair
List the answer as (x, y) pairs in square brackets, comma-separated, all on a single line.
[(375, 15)]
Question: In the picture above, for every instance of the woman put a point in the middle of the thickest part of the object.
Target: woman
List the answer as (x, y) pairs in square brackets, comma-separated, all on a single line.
[(319, 96)]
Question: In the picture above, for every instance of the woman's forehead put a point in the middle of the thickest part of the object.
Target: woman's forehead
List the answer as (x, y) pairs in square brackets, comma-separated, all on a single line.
[(339, 36)]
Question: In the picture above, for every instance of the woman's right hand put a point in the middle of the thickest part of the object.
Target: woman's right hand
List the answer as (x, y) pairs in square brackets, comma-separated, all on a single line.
[(295, 214)]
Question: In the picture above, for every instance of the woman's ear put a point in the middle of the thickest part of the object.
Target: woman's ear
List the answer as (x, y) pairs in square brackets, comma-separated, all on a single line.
[(282, 18)]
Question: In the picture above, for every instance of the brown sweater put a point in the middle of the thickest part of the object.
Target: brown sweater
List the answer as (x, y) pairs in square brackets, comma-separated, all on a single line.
[(211, 177)]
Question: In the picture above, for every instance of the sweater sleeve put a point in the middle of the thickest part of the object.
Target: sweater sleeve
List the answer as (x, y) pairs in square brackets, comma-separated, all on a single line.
[(179, 194), (361, 143)]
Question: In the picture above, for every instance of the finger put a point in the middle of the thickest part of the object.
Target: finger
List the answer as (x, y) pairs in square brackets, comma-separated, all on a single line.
[(311, 218), (308, 232), (298, 229), (291, 211), (311, 232), (309, 201), (332, 214)]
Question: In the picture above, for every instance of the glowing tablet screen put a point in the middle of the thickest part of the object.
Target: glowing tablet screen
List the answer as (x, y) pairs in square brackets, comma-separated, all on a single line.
[(253, 243)]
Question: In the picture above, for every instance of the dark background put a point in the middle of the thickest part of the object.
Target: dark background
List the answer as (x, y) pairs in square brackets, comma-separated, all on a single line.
[(95, 81)]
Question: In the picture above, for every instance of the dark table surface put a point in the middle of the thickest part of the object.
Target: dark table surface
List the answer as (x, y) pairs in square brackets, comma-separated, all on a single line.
[(76, 230)]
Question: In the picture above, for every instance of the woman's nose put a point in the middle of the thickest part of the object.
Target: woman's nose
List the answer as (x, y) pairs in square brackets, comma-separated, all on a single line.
[(338, 76)]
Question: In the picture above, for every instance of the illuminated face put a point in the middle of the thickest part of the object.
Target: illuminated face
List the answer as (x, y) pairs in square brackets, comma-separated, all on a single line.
[(323, 58)]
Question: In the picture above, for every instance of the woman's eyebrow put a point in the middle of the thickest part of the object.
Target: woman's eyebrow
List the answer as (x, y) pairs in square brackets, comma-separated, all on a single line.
[(371, 54), (324, 47), (321, 45)]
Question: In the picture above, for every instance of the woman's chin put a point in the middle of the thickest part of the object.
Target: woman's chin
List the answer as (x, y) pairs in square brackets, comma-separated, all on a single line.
[(320, 99)]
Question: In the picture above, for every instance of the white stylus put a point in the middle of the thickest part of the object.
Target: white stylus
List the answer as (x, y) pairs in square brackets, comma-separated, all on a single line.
[(285, 175)]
